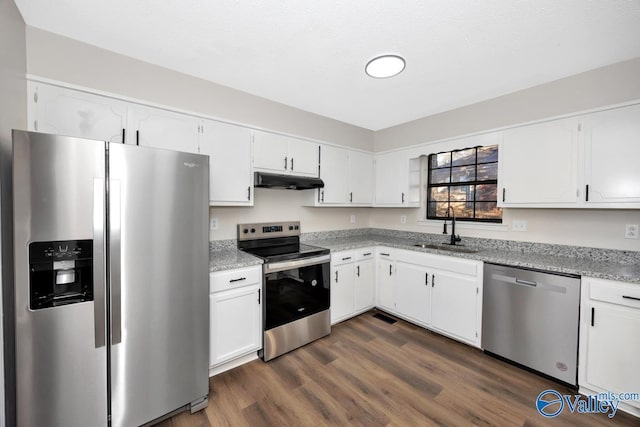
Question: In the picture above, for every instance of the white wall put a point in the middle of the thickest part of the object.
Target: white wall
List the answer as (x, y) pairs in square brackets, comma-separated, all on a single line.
[(13, 112), (597, 88), (286, 205)]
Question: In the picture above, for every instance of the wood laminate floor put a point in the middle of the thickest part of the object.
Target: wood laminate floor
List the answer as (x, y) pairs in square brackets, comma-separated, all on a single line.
[(371, 373)]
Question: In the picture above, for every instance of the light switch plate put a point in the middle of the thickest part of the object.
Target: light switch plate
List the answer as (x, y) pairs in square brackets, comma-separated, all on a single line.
[(353, 219), (519, 225), (631, 231)]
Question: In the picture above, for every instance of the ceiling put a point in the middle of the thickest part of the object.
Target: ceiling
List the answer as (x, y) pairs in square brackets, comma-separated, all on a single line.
[(311, 54)]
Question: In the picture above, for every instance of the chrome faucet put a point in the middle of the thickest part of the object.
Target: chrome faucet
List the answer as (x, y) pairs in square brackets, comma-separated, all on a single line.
[(454, 238)]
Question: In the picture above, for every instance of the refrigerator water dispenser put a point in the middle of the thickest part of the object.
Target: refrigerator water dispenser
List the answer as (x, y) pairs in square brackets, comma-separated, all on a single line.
[(60, 273)]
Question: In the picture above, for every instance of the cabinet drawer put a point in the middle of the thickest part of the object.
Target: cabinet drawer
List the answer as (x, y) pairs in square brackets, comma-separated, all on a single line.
[(627, 294), (231, 279), (364, 253), (343, 257)]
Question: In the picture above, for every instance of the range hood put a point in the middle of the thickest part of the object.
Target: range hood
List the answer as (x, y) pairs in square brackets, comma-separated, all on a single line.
[(272, 180)]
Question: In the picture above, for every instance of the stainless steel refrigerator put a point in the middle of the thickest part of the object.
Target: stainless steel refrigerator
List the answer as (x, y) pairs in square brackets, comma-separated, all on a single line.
[(111, 281)]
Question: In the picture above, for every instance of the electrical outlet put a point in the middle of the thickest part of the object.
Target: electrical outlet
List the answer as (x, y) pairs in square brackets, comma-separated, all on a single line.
[(213, 224), (519, 225), (403, 219), (353, 219), (631, 231)]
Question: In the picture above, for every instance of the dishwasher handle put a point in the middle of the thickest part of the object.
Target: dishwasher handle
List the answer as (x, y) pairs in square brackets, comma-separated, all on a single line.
[(526, 282)]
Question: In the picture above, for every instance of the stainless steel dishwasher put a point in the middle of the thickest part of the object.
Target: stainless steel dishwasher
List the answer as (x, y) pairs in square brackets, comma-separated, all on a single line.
[(531, 317)]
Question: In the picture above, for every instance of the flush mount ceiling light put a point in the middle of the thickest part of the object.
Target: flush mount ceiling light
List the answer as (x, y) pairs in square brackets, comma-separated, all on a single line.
[(384, 66)]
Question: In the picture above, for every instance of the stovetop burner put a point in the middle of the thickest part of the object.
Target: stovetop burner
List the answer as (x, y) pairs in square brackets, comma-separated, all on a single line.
[(275, 242)]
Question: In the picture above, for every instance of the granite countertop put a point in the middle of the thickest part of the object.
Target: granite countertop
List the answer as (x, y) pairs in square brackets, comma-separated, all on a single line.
[(230, 258), (562, 263)]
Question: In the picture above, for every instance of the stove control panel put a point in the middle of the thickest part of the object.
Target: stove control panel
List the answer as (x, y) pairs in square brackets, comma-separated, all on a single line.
[(268, 230)]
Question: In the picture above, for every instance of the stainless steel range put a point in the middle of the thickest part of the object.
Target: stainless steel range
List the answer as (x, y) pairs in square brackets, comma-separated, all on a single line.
[(296, 286)]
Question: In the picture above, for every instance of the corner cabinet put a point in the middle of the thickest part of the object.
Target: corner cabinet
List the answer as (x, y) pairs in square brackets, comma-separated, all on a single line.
[(397, 180), (275, 153), (438, 292), (610, 339), (352, 283), (235, 314)]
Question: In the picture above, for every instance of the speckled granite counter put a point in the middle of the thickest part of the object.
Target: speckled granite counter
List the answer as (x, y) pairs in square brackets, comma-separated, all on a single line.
[(231, 258), (571, 260)]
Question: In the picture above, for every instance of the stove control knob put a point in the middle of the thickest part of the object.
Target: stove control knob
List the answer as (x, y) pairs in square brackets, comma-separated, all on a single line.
[(297, 227), (253, 230), (291, 227), (245, 231)]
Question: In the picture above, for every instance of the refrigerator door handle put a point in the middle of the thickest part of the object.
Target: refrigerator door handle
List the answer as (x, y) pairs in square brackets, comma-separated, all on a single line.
[(115, 222), (98, 262)]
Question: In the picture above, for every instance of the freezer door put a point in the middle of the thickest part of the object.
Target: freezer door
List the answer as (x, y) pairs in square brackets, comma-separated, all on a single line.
[(159, 281), (61, 364)]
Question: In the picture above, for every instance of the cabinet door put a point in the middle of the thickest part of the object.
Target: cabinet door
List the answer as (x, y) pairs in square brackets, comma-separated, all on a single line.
[(413, 294), (612, 154), (69, 112), (454, 304), (613, 348), (539, 164), (384, 279), (342, 292), (391, 179), (229, 150), (270, 152), (158, 128), (365, 284), (360, 178), (333, 171), (236, 324), (304, 157)]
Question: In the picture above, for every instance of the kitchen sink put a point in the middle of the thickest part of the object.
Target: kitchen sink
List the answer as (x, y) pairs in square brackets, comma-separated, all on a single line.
[(446, 247)]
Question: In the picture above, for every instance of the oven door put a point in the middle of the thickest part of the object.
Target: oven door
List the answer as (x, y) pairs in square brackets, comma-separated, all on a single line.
[(295, 289)]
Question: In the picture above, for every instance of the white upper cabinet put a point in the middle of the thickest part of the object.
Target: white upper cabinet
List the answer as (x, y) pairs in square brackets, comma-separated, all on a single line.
[(334, 167), (285, 155), (229, 150), (62, 111), (158, 128), (360, 178), (392, 180), (539, 164), (612, 157)]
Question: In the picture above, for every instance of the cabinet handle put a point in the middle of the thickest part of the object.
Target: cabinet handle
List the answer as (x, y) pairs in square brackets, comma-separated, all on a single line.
[(367, 254), (593, 312), (390, 266), (358, 271), (586, 193), (123, 135), (351, 197), (322, 196), (336, 276), (249, 193), (137, 137), (259, 290), (628, 297), (402, 197), (433, 280), (504, 192), (382, 253), (292, 164), (285, 163), (346, 258), (426, 279), (237, 280)]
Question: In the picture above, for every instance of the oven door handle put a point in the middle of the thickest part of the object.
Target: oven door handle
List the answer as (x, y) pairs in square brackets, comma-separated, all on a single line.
[(290, 265)]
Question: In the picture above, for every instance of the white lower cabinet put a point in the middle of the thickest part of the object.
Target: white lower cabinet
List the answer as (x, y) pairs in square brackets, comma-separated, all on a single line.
[(235, 315), (442, 293), (352, 283), (610, 339)]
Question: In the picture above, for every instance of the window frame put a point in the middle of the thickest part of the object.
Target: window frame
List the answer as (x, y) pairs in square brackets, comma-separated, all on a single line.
[(450, 184)]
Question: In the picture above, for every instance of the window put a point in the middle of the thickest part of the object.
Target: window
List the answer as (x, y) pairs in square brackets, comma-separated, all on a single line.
[(467, 181)]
